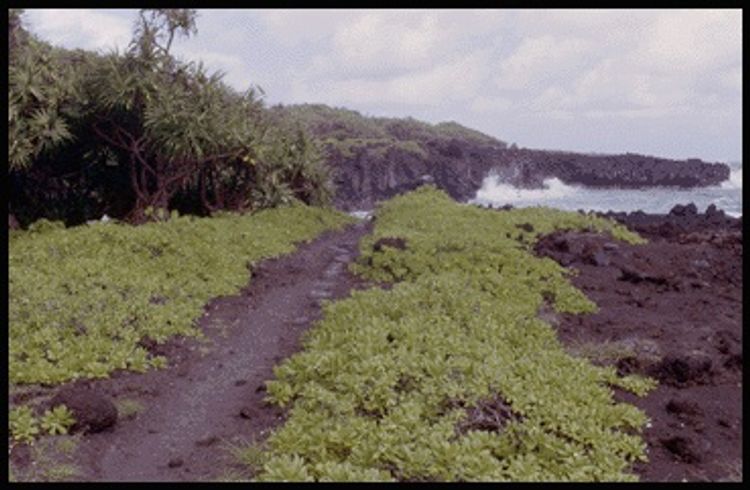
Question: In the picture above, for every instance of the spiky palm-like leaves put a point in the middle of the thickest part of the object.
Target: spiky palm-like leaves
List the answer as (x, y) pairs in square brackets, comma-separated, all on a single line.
[(40, 91), (165, 131), (292, 165), (171, 118)]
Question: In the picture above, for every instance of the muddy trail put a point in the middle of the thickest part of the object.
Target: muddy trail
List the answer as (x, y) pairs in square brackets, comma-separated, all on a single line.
[(211, 396)]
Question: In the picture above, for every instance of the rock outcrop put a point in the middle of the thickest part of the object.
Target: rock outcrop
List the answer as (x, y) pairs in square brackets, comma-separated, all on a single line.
[(682, 221), (375, 158), (459, 167)]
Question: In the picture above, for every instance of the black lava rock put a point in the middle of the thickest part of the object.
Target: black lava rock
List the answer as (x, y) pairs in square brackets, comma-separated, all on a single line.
[(93, 410)]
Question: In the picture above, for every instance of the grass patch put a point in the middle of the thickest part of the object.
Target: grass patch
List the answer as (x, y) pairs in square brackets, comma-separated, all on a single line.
[(127, 408), (250, 456), (67, 444), (386, 381), (51, 460), (81, 298), (377, 147), (612, 351), (608, 352)]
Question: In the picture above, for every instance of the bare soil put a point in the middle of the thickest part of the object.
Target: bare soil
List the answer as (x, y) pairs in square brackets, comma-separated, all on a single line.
[(670, 309)]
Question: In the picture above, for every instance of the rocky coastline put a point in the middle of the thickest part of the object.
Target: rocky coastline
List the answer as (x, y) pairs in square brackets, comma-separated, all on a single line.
[(459, 167)]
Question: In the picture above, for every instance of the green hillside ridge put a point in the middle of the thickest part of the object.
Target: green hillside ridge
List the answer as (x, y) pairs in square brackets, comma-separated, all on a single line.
[(347, 130)]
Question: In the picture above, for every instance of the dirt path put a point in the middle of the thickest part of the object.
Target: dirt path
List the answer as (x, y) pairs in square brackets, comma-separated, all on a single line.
[(213, 393)]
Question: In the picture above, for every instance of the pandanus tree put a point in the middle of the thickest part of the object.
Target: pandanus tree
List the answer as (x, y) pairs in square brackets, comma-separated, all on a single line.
[(141, 132), (170, 120), (39, 87), (41, 98), (291, 166)]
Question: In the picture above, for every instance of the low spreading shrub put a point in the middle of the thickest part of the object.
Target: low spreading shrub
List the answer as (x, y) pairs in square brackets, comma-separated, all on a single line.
[(390, 382), (81, 299)]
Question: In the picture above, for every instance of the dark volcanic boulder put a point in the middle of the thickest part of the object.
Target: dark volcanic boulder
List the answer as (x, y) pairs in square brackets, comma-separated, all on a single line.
[(682, 223), (682, 370), (92, 409), (680, 210), (715, 215)]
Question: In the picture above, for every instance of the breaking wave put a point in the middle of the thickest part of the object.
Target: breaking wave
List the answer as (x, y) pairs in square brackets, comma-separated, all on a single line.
[(735, 180), (555, 193), (493, 190)]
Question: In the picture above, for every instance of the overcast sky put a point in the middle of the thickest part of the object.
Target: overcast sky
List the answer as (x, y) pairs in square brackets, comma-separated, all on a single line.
[(666, 83)]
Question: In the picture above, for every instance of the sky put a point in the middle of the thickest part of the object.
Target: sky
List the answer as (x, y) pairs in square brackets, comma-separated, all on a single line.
[(659, 82)]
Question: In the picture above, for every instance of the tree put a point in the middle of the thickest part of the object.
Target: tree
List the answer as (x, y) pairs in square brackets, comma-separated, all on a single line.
[(291, 166), (167, 133), (41, 91), (41, 99), (169, 117)]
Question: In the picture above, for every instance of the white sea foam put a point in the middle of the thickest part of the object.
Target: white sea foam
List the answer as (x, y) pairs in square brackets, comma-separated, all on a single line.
[(735, 180), (556, 194), (493, 190)]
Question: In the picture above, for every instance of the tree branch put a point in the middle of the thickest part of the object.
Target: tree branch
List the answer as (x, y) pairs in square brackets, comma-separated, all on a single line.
[(106, 138)]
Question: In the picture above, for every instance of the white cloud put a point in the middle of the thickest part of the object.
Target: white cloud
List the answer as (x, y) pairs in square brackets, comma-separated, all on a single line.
[(641, 71), (490, 104), (451, 81), (539, 59), (672, 67), (293, 27), (84, 28), (690, 41), (235, 69), (732, 78), (378, 40)]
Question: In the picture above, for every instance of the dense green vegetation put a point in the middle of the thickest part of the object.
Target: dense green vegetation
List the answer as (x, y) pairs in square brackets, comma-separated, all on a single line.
[(80, 299), (139, 133), (340, 124), (389, 382), (349, 132), (24, 426)]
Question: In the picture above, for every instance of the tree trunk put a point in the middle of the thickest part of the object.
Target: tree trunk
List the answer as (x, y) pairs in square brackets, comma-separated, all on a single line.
[(13, 222)]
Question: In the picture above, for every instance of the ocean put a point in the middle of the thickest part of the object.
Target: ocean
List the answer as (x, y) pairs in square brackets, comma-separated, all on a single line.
[(556, 194)]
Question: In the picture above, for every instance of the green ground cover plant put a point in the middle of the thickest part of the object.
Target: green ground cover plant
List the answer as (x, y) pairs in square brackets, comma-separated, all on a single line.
[(387, 381), (58, 420), (81, 298), (24, 427)]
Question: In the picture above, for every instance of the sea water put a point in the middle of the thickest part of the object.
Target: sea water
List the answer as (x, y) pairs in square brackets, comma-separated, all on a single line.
[(556, 194)]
